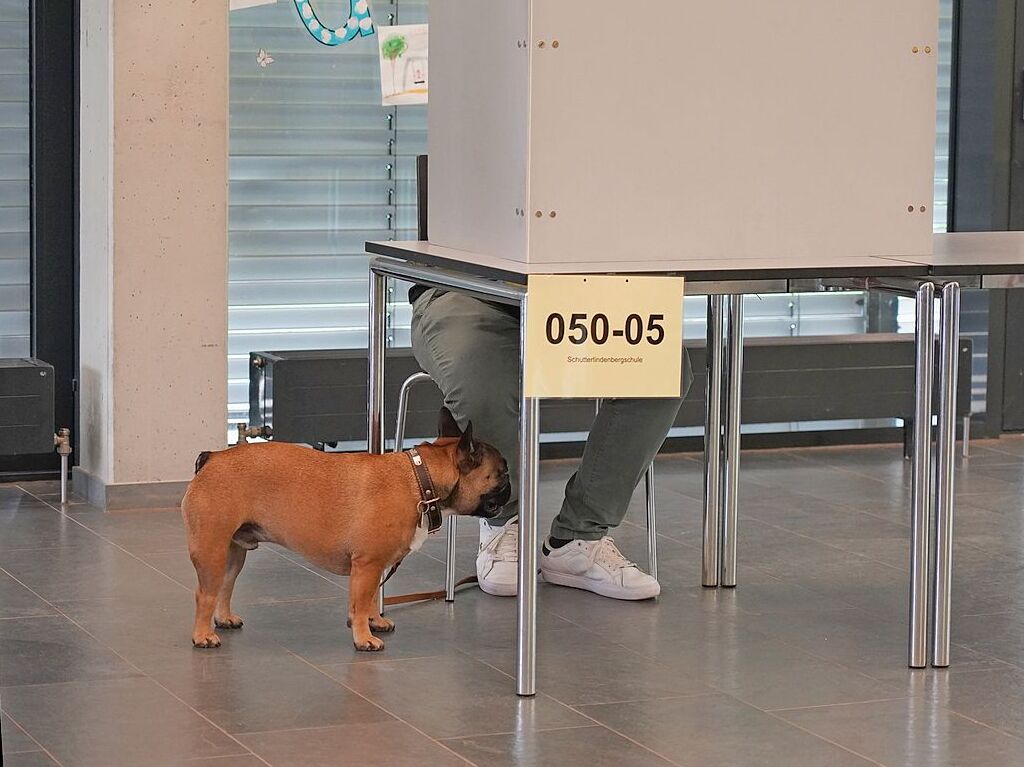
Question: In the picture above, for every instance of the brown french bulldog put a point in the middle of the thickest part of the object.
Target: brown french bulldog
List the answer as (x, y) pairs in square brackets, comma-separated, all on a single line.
[(351, 514)]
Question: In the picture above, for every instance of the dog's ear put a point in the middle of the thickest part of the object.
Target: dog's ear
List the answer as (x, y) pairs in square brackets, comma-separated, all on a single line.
[(469, 454), (447, 426)]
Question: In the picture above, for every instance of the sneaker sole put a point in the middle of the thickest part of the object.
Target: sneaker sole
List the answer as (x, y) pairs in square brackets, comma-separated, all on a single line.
[(604, 589), (498, 589)]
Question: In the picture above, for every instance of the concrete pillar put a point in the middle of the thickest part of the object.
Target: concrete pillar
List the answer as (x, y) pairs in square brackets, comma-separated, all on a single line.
[(153, 285)]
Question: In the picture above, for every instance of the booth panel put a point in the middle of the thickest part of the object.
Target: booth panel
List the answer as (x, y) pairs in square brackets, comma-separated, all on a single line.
[(769, 129), (479, 81)]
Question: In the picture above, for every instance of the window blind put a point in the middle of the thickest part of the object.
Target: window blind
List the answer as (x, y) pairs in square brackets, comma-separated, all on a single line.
[(317, 167), (15, 325)]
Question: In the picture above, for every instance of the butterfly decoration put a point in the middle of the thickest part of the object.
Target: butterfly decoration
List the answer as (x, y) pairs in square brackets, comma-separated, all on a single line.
[(264, 59)]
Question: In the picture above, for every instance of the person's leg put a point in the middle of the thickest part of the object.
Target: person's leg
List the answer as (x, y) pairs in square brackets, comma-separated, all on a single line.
[(471, 349), (624, 439)]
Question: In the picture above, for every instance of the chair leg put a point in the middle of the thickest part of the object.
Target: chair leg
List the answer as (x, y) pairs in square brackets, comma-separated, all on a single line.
[(400, 418), (449, 560), (652, 523)]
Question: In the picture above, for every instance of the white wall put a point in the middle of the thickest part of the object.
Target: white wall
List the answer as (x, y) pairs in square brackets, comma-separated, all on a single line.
[(153, 237)]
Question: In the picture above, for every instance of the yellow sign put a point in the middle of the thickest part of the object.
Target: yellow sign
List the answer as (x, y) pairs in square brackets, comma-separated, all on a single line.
[(604, 336)]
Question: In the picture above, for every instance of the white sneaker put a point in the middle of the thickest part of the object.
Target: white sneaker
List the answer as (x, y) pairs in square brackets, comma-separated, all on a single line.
[(497, 562), (597, 566)]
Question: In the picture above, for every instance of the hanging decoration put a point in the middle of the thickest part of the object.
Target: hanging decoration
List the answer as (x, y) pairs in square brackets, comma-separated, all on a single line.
[(359, 23)]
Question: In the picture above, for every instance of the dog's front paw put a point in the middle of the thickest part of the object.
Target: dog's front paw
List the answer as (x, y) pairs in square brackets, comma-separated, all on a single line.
[(205, 641), (371, 644), (382, 624), (231, 621)]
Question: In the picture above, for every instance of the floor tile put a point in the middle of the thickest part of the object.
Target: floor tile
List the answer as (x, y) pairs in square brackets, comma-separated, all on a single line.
[(140, 532), (16, 601), (995, 698), (911, 732), (477, 698), (257, 694), (265, 577), (15, 739), (28, 759), (716, 730), (593, 746), (874, 646), (394, 744), (576, 666), (157, 638), (241, 760), (40, 527), (115, 722), (94, 571), (53, 649), (817, 628)]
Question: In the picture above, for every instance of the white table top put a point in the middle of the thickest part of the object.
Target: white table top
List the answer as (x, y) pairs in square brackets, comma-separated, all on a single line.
[(974, 253), (956, 254), (693, 269)]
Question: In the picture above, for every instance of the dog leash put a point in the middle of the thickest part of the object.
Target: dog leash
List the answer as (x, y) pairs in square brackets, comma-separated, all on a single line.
[(425, 596)]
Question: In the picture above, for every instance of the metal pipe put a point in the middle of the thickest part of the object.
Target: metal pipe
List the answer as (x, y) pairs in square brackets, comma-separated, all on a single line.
[(712, 518), (949, 343), (437, 277), (449, 560), (734, 384), (652, 523), (920, 519), (529, 438), (63, 480), (967, 437), (62, 442), (375, 388)]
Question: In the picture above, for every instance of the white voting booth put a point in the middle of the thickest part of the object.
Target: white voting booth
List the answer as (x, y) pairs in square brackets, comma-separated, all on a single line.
[(570, 130)]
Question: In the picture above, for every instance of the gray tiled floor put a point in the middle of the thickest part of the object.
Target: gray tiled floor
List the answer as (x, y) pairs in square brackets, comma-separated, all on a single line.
[(804, 664)]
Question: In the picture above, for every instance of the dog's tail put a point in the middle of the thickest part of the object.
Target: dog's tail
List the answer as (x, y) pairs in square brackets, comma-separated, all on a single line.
[(202, 459)]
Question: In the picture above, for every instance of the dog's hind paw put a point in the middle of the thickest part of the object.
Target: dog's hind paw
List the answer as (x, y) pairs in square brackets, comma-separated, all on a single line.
[(207, 642), (382, 624), (373, 644), (230, 622)]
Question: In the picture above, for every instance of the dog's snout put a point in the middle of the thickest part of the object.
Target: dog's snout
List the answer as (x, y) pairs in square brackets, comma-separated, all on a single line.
[(492, 503)]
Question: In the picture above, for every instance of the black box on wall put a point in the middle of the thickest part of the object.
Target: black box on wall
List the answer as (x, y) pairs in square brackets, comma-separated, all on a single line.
[(320, 395), (26, 407)]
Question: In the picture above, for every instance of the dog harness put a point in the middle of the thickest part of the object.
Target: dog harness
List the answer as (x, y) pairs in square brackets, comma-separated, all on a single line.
[(429, 505)]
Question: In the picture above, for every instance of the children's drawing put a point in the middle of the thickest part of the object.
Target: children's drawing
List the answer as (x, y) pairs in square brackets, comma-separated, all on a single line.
[(403, 64), (359, 23)]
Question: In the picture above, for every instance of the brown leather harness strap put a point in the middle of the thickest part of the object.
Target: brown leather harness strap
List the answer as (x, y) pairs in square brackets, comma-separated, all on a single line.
[(430, 510), (429, 505)]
